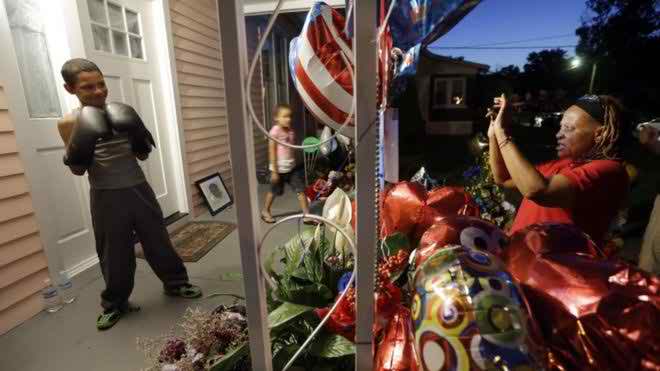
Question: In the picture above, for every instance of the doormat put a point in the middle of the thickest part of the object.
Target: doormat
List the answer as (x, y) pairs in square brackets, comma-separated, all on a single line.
[(196, 239)]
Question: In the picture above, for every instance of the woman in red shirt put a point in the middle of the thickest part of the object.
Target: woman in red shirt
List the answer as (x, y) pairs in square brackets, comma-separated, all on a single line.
[(585, 186)]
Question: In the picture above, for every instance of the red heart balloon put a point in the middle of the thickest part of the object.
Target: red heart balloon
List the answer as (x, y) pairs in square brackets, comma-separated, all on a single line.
[(594, 313), (402, 208)]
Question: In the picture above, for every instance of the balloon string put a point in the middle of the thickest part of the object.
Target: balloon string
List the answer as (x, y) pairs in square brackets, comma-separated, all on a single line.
[(381, 30)]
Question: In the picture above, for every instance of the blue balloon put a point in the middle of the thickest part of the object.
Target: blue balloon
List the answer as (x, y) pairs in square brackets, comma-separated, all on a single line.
[(343, 281), (423, 21)]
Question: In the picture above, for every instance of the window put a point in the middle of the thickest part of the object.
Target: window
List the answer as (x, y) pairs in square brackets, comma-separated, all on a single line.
[(28, 33), (115, 29), (275, 73), (447, 92)]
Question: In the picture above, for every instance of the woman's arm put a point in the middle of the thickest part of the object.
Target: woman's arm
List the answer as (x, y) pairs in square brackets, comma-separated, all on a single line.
[(501, 175), (556, 191)]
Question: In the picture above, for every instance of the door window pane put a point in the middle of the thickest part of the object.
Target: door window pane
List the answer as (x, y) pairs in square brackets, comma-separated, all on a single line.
[(133, 22), (119, 42), (101, 38), (28, 34), (97, 11), (116, 16), (136, 47)]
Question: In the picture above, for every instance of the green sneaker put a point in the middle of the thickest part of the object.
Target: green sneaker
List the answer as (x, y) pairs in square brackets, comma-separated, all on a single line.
[(108, 319), (187, 291)]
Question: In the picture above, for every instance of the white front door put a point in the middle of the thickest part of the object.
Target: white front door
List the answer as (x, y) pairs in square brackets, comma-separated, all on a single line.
[(28, 70), (119, 36), (36, 37)]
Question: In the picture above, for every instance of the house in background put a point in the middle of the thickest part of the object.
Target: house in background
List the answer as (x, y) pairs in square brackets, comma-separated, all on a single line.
[(438, 113), (161, 56), (447, 88)]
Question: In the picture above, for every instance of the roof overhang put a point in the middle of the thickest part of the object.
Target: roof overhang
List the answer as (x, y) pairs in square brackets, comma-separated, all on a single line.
[(259, 7)]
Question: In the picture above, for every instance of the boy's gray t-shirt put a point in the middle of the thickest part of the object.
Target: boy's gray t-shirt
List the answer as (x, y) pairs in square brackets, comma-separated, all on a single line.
[(115, 165)]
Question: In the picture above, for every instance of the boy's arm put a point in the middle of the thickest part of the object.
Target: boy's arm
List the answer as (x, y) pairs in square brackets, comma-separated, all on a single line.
[(65, 128)]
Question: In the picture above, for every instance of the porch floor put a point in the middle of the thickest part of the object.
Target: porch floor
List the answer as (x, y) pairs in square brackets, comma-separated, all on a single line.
[(68, 339)]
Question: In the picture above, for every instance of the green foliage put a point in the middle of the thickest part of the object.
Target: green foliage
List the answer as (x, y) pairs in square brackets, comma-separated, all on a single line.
[(310, 271), (395, 242), (285, 313), (307, 278), (311, 294), (229, 361), (332, 346)]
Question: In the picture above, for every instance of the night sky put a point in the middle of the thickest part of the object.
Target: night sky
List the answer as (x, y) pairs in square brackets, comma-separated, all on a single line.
[(498, 21)]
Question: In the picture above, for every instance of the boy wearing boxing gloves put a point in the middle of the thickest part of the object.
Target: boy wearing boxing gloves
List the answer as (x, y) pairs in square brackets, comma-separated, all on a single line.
[(104, 140)]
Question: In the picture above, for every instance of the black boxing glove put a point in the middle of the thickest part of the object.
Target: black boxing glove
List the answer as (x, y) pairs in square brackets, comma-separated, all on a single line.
[(124, 119), (90, 127)]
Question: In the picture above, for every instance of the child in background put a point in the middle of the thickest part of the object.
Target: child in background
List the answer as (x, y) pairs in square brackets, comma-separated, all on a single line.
[(283, 167)]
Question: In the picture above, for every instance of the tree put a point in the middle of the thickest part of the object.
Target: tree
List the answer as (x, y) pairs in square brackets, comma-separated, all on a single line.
[(546, 70), (622, 37), (510, 71)]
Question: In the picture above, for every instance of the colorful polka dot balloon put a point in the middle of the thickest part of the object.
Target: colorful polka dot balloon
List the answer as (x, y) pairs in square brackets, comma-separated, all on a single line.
[(469, 314), (460, 230)]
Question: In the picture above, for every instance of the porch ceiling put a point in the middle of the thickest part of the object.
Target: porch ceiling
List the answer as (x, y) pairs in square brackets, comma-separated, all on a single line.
[(256, 7)]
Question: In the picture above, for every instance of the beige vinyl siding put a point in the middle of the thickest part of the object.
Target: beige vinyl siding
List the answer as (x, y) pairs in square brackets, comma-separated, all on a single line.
[(201, 88), (200, 79), (23, 265), (257, 93)]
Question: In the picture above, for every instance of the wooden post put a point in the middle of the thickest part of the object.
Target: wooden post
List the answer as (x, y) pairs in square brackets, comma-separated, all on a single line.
[(233, 44), (366, 129)]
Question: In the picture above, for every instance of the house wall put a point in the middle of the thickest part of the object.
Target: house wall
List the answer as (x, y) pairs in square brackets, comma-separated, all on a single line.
[(253, 34), (23, 265), (201, 89), (446, 121)]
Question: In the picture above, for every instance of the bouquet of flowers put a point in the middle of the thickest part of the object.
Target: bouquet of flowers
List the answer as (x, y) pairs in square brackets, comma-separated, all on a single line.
[(481, 186), (208, 336)]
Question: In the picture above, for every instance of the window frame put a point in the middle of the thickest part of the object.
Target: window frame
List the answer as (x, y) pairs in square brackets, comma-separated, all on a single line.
[(449, 88), (109, 28)]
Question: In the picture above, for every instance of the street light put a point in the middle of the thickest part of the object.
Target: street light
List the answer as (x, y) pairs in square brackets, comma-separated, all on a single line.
[(576, 62)]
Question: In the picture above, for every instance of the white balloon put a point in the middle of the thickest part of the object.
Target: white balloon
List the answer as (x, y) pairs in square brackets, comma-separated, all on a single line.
[(344, 140), (328, 147)]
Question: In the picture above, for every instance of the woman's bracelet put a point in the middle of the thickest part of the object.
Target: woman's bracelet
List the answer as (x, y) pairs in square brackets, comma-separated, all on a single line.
[(505, 142)]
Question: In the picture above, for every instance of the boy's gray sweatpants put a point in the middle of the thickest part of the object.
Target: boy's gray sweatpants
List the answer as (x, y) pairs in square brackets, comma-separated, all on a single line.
[(116, 213)]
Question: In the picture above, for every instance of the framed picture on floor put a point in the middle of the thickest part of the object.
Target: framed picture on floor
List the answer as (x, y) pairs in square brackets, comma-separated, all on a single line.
[(214, 192)]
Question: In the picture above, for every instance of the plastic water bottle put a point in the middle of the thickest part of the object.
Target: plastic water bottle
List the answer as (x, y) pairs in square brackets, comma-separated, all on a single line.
[(51, 299), (65, 288)]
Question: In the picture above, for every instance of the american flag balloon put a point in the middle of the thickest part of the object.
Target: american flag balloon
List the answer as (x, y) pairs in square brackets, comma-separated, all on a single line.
[(320, 73)]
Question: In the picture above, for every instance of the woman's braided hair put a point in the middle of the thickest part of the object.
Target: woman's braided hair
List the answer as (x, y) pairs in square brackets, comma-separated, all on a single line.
[(608, 138)]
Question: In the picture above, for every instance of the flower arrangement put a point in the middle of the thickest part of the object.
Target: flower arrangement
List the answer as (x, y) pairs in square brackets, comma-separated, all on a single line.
[(488, 196), (208, 336)]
